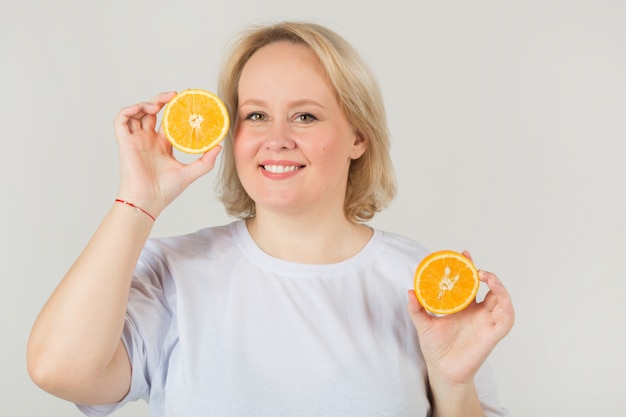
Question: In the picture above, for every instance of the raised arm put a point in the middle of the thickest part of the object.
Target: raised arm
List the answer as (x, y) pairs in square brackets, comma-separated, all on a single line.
[(75, 350)]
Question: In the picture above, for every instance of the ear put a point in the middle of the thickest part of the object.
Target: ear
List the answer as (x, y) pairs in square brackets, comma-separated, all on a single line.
[(358, 146)]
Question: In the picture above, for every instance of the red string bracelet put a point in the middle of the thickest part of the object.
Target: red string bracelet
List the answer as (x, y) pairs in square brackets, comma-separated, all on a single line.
[(117, 200)]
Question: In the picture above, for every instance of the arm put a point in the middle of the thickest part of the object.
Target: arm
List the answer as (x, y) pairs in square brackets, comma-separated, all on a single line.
[(75, 349), (456, 346)]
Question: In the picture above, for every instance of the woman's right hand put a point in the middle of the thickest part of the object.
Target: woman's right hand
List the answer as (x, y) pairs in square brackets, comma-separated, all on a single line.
[(81, 325), (150, 175)]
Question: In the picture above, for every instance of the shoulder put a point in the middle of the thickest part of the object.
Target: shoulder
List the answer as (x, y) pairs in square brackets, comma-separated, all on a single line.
[(399, 246), (191, 244), (164, 260), (395, 255)]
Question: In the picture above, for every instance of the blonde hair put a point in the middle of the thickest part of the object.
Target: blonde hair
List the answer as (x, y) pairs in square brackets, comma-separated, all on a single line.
[(371, 179)]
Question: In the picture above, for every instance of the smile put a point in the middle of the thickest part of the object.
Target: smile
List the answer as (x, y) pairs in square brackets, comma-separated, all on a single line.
[(280, 169)]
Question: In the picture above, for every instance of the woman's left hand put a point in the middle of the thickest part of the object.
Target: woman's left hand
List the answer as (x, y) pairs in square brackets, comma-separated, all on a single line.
[(455, 346)]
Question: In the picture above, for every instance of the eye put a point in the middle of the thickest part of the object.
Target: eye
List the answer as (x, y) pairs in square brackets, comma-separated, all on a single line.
[(255, 116), (305, 118)]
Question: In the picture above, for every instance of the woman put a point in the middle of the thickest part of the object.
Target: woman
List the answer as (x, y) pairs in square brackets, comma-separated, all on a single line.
[(298, 308)]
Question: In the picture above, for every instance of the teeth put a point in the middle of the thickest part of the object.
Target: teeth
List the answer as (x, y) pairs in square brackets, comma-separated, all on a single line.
[(280, 169)]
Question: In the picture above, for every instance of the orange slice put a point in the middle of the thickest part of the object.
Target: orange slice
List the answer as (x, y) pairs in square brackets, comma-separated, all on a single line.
[(445, 282), (195, 121)]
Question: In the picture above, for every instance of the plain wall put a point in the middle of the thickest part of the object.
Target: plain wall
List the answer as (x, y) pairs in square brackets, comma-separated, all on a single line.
[(509, 137)]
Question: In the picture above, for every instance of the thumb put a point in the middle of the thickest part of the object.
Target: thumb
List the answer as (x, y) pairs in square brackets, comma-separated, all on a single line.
[(202, 165), (420, 317)]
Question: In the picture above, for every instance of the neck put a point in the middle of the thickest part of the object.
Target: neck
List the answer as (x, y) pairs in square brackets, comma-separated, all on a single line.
[(319, 240)]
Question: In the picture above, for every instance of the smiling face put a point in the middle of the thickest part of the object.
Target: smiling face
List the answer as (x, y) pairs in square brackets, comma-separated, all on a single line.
[(292, 144)]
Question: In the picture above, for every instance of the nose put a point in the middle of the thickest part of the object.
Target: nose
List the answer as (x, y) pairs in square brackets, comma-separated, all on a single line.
[(279, 137)]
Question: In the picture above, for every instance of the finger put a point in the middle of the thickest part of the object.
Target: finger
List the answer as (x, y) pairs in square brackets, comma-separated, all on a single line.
[(163, 139), (497, 292), (128, 119), (120, 123), (149, 120), (489, 278), (490, 301), (202, 165), (467, 254), (140, 110), (152, 106), (419, 316), (162, 98), (414, 305)]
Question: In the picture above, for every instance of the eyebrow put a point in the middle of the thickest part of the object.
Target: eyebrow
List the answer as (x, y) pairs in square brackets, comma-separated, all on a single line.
[(299, 102)]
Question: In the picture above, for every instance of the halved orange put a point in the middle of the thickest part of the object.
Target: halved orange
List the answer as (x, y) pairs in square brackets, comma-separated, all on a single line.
[(446, 282), (195, 121)]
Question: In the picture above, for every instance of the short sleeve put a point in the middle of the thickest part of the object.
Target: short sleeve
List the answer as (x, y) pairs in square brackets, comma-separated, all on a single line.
[(148, 319), (487, 392)]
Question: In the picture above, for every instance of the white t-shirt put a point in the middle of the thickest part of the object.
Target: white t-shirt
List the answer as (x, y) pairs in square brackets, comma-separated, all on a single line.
[(216, 327)]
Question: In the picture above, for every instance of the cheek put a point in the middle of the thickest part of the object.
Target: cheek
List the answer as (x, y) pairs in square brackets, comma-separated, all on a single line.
[(241, 147), (334, 153), (236, 151), (240, 155)]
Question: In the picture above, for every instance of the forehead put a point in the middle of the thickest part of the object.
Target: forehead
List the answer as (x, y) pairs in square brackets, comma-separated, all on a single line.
[(281, 53), (284, 63)]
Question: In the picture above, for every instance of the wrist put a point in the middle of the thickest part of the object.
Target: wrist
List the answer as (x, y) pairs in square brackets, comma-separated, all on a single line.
[(136, 207), (454, 399), (130, 204), (150, 201)]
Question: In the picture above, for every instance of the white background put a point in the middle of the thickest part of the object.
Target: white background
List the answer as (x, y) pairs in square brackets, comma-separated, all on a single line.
[(509, 138)]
